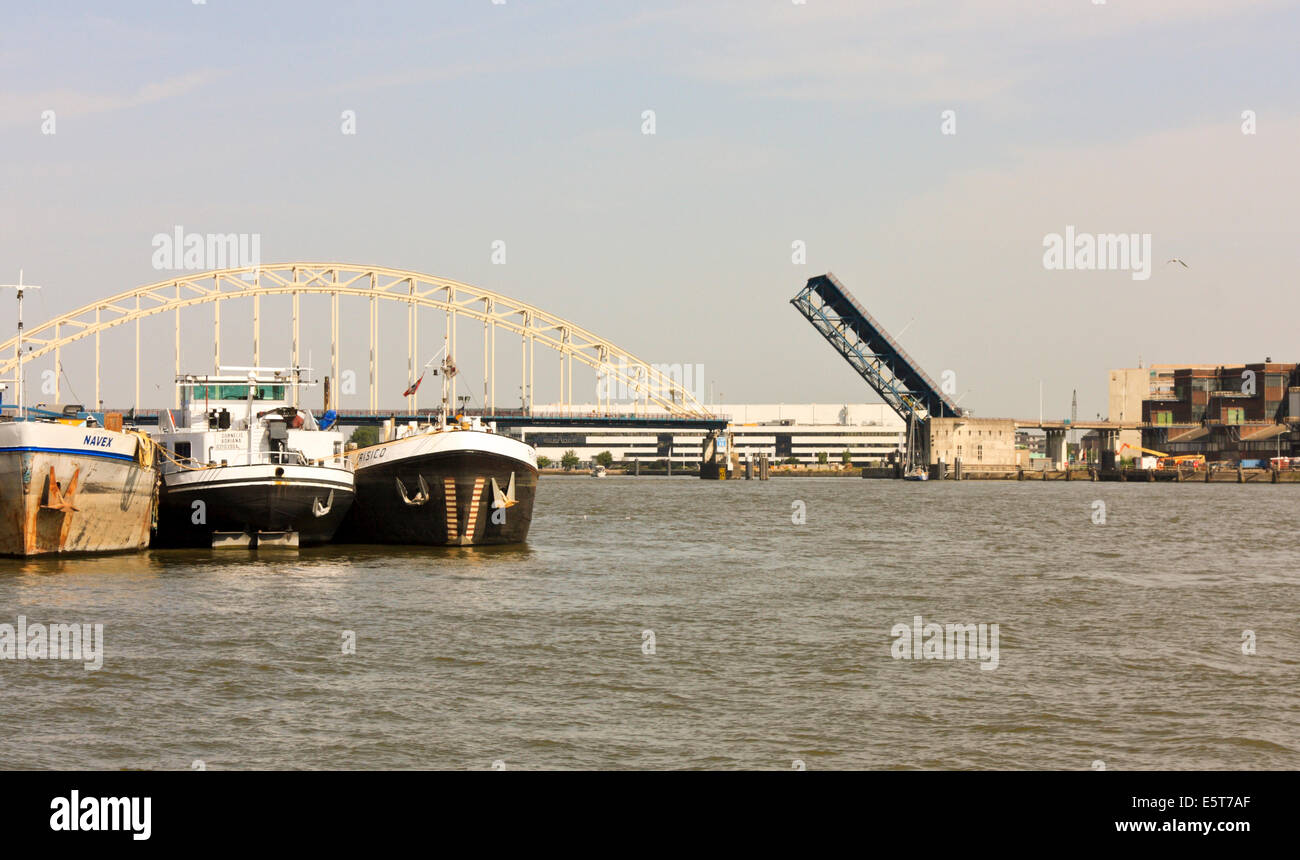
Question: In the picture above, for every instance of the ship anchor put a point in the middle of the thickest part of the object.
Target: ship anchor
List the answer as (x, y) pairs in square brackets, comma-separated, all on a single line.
[(321, 510), (504, 499), (420, 497), (62, 500)]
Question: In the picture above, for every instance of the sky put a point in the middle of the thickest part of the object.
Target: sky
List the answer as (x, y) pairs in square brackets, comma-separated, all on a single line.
[(775, 122)]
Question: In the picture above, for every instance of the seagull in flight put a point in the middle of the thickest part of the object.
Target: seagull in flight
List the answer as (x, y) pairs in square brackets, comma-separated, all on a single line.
[(1178, 261)]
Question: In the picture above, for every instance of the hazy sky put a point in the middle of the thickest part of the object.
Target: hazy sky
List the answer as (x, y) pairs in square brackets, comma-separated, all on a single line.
[(775, 122)]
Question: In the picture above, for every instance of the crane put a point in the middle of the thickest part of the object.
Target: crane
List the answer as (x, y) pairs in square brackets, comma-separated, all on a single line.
[(1164, 461)]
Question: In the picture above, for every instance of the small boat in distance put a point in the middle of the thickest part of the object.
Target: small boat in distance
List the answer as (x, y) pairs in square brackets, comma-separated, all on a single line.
[(598, 471), (243, 466), (915, 469)]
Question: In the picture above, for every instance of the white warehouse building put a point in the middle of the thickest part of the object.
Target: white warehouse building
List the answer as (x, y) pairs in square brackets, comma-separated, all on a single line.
[(870, 432)]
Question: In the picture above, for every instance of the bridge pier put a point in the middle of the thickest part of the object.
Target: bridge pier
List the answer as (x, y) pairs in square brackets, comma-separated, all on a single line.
[(1108, 438), (1056, 447)]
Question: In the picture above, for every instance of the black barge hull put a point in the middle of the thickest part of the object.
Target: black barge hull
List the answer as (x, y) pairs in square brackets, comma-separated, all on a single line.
[(442, 499), (263, 505)]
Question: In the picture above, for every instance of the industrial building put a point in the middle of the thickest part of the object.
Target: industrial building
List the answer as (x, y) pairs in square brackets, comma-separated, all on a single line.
[(1034, 444), (870, 432), (975, 442), (1228, 413)]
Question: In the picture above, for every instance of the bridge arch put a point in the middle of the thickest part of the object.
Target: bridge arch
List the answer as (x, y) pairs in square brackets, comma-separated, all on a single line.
[(646, 383)]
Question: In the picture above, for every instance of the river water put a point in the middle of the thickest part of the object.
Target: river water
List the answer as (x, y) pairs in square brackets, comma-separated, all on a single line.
[(1120, 643)]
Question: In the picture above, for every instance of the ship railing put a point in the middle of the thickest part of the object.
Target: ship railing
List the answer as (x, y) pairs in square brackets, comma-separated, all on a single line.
[(291, 457)]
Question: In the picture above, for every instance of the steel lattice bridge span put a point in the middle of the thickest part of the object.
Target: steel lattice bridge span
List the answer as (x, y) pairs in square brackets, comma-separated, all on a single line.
[(869, 349), (653, 394)]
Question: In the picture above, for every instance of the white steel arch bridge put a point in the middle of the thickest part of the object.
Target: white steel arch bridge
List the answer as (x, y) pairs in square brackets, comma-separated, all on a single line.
[(650, 388)]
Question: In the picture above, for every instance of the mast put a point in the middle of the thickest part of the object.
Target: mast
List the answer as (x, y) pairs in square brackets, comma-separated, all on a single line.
[(911, 439), (1074, 418), (446, 381), (252, 382), (18, 347)]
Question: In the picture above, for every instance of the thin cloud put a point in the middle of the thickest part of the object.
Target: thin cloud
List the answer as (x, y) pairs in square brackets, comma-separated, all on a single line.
[(901, 52), (23, 108)]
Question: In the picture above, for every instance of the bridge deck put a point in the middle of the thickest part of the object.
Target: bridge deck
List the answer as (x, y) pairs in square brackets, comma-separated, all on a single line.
[(1049, 424)]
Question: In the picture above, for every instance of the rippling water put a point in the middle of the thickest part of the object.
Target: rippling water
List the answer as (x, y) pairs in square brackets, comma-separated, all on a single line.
[(1119, 642)]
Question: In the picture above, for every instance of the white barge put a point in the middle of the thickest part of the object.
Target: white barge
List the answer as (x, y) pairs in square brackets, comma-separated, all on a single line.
[(243, 466)]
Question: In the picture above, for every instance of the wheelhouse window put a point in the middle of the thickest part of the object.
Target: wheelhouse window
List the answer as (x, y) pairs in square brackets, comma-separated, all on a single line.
[(237, 392)]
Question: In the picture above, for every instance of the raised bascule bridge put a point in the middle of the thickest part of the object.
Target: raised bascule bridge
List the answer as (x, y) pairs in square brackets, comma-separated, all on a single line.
[(942, 430), (877, 357)]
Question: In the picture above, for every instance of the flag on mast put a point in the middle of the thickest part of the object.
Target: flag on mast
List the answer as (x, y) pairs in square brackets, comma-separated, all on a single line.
[(410, 391), (416, 387)]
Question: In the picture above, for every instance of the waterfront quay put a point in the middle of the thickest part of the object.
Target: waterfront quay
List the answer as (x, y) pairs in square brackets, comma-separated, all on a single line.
[(1211, 475)]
